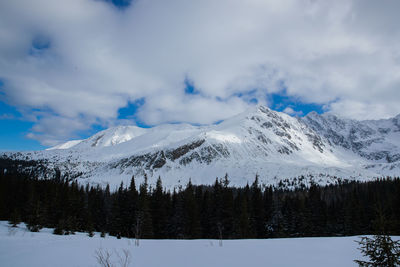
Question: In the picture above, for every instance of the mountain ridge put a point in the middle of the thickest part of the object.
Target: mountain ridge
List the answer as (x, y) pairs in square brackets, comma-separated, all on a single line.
[(259, 141)]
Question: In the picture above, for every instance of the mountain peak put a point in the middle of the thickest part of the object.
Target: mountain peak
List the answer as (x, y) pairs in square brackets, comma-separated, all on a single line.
[(263, 108), (108, 137), (115, 135), (259, 140)]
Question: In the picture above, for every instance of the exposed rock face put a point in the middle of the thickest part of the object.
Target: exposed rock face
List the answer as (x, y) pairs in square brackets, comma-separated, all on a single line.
[(374, 140)]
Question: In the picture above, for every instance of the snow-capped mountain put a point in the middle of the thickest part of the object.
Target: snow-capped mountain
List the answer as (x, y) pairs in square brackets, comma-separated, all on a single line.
[(259, 141)]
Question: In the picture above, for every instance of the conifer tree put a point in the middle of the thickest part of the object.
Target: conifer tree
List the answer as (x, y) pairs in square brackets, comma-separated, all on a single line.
[(227, 208), (116, 224), (216, 211), (34, 222), (132, 207), (192, 220), (381, 250), (144, 214), (206, 214), (257, 210), (159, 214), (176, 223), (243, 222)]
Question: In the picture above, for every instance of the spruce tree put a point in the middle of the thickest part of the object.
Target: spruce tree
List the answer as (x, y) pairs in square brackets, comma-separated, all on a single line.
[(34, 222), (132, 207), (242, 226), (116, 224), (381, 250), (176, 222), (144, 214), (257, 210), (191, 210), (227, 208), (159, 214)]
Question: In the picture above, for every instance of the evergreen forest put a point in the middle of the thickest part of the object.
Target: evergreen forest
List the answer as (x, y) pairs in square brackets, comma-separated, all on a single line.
[(217, 211)]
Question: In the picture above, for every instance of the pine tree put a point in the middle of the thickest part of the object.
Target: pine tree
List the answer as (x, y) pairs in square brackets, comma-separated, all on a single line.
[(176, 223), (132, 208), (381, 251), (117, 226), (144, 214), (216, 210), (227, 212), (159, 214), (257, 210), (34, 223), (205, 215), (191, 210), (243, 219), (317, 210)]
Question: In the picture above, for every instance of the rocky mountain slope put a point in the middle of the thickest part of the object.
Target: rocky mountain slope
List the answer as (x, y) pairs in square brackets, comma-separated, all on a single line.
[(259, 141)]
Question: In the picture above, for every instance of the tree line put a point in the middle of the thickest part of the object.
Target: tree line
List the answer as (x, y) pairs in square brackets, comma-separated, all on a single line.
[(216, 211)]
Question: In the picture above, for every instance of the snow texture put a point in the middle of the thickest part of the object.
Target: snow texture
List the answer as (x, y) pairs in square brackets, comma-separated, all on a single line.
[(20, 248)]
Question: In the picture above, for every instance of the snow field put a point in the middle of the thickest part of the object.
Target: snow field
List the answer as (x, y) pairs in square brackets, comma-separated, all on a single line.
[(19, 247)]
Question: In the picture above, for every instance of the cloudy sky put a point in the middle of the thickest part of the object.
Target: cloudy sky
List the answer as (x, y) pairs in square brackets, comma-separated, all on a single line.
[(70, 68)]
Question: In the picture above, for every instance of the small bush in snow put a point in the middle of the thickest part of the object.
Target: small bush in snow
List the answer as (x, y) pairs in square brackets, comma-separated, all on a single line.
[(104, 258)]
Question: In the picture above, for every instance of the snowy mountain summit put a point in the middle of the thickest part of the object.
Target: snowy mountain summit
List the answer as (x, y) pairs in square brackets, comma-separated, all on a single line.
[(259, 141)]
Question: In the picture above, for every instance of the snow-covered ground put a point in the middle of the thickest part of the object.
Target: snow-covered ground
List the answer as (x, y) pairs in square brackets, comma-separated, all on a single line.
[(18, 247)]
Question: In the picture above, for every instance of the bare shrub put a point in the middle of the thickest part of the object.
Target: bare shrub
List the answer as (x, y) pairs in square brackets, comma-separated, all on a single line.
[(104, 258), (124, 259)]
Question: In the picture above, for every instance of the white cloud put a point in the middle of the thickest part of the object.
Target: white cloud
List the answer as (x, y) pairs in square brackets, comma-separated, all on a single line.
[(52, 130), (291, 111), (343, 54)]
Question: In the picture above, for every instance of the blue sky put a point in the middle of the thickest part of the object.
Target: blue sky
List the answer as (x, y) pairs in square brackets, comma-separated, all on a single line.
[(15, 127), (69, 69), (120, 3)]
